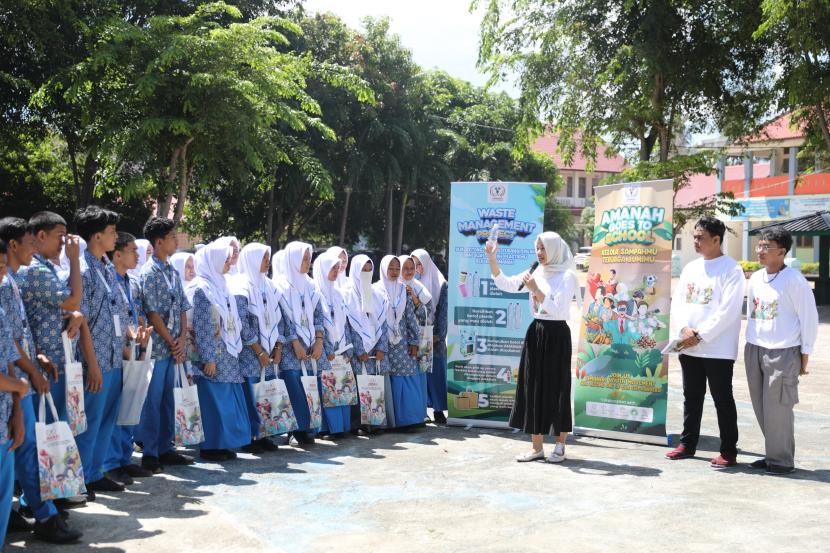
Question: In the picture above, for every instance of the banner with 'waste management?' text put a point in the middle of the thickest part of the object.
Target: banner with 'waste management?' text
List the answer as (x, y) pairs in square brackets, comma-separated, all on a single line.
[(486, 325), (621, 381)]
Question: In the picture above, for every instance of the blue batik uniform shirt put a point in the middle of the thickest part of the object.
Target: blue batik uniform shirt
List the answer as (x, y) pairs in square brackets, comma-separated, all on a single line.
[(8, 354), (101, 302), (43, 294), (162, 292), (11, 301)]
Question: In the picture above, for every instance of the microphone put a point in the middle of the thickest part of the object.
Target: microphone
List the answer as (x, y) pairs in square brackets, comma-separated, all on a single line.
[(532, 268)]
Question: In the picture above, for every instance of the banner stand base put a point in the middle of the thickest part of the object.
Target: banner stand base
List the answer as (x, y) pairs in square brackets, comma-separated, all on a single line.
[(474, 423), (622, 436)]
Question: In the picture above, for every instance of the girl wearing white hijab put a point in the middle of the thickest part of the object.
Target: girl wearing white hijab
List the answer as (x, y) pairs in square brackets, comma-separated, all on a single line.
[(421, 299), (366, 309), (404, 336), (185, 265), (543, 391), (233, 243), (305, 311), (343, 258), (429, 275), (336, 420), (218, 343), (145, 252), (279, 273), (265, 328)]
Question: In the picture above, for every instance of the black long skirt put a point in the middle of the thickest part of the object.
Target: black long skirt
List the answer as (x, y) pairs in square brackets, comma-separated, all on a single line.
[(543, 391)]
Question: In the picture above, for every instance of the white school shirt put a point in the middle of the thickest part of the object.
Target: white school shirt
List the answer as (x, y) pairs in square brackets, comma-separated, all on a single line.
[(781, 311), (709, 297), (559, 291)]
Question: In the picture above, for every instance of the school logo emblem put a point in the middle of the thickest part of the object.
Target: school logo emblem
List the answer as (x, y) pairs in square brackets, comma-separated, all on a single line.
[(631, 194), (497, 193)]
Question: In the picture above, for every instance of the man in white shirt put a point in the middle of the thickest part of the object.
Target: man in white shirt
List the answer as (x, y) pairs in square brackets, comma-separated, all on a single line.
[(782, 322), (706, 315)]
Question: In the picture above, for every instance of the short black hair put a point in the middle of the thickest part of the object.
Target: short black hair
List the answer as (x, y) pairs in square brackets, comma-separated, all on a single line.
[(124, 239), (13, 228), (4, 248), (779, 235), (93, 219), (156, 228), (45, 221), (712, 225)]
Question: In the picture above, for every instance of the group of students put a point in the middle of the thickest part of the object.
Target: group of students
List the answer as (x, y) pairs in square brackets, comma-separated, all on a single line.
[(219, 314)]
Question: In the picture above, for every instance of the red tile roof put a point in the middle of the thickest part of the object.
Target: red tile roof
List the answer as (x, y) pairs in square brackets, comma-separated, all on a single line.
[(547, 144), (780, 128)]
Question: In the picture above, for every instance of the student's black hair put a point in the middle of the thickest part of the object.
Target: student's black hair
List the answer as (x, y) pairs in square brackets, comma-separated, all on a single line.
[(713, 226), (3, 247), (779, 235), (93, 219), (13, 228), (45, 221), (124, 239), (156, 228)]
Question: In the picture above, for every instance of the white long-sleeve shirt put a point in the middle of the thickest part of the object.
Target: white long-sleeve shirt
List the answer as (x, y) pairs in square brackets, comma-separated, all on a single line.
[(709, 297), (559, 291), (781, 311)]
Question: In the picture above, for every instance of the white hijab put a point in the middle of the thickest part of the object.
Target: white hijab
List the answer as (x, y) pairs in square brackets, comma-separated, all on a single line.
[(558, 260), (179, 262), (64, 259), (334, 304), (342, 280), (278, 271), (210, 261), (230, 241), (301, 292), (263, 297), (366, 306), (420, 290), (431, 278), (395, 294), (141, 249)]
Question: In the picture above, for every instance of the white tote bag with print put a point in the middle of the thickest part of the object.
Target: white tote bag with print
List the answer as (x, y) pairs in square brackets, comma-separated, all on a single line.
[(188, 416), (273, 405), (312, 395), (74, 371), (135, 381), (372, 394), (58, 459)]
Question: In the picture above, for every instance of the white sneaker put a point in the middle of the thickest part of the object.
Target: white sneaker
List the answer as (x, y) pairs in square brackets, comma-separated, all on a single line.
[(558, 454), (531, 456)]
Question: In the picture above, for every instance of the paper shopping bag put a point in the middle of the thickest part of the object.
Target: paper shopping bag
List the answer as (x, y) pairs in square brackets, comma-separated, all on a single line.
[(75, 410), (273, 405), (188, 417), (466, 401), (371, 392), (58, 459), (135, 381), (312, 395), (425, 349), (339, 385)]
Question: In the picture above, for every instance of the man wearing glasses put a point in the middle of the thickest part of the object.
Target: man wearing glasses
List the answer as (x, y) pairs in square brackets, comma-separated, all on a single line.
[(782, 322)]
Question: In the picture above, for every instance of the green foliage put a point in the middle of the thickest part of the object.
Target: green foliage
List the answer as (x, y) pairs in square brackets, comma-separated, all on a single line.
[(809, 268), (749, 266)]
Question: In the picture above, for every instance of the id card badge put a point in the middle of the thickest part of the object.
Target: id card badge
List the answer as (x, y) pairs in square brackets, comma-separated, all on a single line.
[(170, 320), (25, 346), (116, 319)]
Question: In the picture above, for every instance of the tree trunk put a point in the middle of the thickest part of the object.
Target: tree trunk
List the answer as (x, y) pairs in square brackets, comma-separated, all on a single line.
[(404, 200), (389, 216), (822, 119), (647, 145), (345, 217), (88, 180), (269, 217), (76, 180), (184, 179)]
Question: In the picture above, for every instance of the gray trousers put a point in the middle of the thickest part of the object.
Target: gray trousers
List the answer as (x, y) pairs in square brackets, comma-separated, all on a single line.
[(772, 375)]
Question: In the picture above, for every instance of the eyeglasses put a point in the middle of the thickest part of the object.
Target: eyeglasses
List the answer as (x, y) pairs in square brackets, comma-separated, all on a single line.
[(765, 248)]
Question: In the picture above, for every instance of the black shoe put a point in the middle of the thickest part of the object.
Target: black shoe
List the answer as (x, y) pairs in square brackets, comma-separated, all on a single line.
[(55, 530), (71, 502), (213, 455), (776, 470), (174, 458), (439, 417), (104, 484), (18, 523), (90, 495), (119, 476), (27, 512), (759, 464), (267, 445), (304, 438), (253, 448), (138, 447), (136, 471), (229, 455), (151, 464)]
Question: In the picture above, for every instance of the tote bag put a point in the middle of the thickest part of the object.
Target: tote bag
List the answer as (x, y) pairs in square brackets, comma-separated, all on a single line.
[(75, 409), (371, 390), (339, 385), (188, 416), (425, 349), (312, 396), (58, 458), (135, 381), (273, 405)]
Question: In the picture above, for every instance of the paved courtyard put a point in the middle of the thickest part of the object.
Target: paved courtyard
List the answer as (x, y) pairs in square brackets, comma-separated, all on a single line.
[(456, 490)]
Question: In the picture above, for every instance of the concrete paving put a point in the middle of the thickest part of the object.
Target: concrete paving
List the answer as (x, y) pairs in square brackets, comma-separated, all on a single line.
[(455, 490)]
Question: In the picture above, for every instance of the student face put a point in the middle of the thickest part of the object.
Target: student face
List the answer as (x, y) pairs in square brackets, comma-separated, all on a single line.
[(24, 249), (367, 268), (263, 266), (167, 245), (128, 257), (306, 264), (344, 258), (50, 242), (189, 269), (541, 255), (332, 276), (705, 244), (394, 270), (419, 268), (235, 255), (770, 254), (408, 269), (107, 238), (227, 266)]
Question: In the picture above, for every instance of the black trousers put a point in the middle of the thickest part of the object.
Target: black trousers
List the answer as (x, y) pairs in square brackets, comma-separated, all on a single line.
[(697, 371)]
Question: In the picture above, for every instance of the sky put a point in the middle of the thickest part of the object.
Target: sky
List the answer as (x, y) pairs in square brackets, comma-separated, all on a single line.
[(441, 34)]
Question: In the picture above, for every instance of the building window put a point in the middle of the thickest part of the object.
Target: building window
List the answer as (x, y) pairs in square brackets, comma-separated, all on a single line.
[(804, 241), (569, 192), (582, 185), (594, 184), (678, 244)]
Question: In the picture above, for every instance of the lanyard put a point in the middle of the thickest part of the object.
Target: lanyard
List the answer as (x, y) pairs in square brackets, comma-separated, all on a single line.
[(128, 301), (106, 285), (170, 316), (20, 307)]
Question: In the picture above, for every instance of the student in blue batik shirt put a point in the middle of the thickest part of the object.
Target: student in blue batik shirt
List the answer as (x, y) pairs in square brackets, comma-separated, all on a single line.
[(165, 305), (435, 282), (366, 309), (49, 525), (118, 465), (12, 429), (307, 343), (52, 307), (404, 337), (265, 328), (217, 327), (422, 302)]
